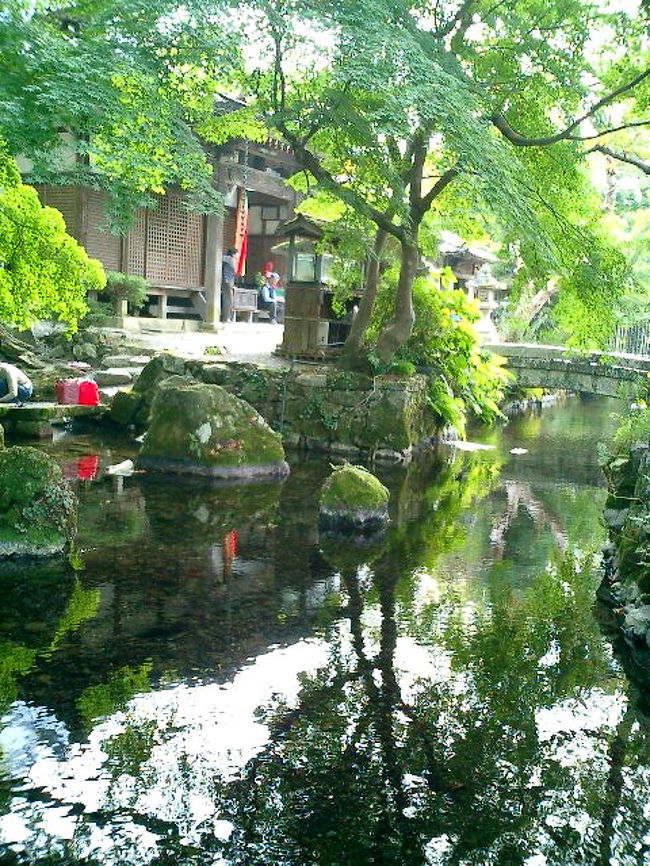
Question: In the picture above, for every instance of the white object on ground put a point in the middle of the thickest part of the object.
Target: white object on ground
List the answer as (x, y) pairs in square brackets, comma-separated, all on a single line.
[(519, 450)]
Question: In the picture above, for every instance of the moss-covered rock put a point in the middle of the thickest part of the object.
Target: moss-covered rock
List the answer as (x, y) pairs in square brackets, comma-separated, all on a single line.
[(204, 430), (132, 408), (38, 511), (160, 367), (353, 498), (125, 408)]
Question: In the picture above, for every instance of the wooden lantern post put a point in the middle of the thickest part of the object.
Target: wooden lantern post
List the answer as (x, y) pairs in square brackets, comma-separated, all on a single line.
[(305, 330)]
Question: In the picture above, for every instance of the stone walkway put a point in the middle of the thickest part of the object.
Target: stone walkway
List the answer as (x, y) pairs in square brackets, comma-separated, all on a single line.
[(241, 341)]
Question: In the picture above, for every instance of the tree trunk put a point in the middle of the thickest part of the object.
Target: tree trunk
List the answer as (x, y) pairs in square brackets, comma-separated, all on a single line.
[(16, 351), (352, 356), (399, 328)]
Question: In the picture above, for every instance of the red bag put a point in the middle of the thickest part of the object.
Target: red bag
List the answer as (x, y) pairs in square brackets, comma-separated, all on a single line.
[(77, 392), (88, 393), (67, 391)]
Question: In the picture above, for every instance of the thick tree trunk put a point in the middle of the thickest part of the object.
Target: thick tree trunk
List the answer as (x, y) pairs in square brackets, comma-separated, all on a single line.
[(399, 328), (352, 356)]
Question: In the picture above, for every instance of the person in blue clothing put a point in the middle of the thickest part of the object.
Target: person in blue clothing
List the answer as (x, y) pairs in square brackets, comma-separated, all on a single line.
[(268, 299)]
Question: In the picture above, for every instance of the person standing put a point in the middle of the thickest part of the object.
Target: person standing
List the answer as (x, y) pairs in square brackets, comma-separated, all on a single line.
[(15, 386), (228, 274)]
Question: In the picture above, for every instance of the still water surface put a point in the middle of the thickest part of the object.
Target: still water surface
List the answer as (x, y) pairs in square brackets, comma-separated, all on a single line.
[(217, 684)]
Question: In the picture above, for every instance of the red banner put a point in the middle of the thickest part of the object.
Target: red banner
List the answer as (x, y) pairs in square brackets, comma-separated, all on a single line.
[(241, 230)]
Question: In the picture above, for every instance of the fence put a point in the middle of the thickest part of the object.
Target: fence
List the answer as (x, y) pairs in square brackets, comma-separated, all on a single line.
[(631, 339)]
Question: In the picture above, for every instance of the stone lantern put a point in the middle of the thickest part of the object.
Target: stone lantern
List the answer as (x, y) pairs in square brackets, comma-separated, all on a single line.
[(484, 288), (308, 315)]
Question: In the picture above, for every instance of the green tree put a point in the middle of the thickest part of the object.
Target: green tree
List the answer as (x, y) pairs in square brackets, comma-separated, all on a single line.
[(129, 83), (44, 273), (399, 108)]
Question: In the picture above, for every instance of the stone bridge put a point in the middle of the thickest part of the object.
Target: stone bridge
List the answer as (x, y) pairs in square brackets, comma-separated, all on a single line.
[(611, 374)]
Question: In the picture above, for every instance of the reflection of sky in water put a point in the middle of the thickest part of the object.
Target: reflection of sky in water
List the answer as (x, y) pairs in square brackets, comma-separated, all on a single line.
[(214, 728)]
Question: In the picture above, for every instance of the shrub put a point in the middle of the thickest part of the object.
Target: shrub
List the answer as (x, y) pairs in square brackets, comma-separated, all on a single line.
[(126, 287), (444, 344), (633, 427), (44, 273)]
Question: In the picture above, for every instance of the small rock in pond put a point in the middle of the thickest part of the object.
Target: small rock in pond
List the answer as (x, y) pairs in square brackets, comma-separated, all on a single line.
[(353, 498)]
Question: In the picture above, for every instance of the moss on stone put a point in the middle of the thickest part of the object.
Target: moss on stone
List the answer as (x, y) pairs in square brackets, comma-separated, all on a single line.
[(37, 507), (202, 429), (160, 367), (125, 407), (355, 495)]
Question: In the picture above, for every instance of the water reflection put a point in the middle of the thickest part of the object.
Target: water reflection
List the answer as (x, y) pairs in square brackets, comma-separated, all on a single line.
[(220, 684)]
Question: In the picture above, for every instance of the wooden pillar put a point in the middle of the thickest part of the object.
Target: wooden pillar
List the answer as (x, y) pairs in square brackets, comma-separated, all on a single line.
[(213, 254), (162, 306)]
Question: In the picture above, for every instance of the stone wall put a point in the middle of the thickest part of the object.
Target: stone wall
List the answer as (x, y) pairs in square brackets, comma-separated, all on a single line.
[(315, 408), (626, 583)]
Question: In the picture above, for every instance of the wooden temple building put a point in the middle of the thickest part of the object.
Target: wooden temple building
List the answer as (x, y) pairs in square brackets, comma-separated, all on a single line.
[(179, 252)]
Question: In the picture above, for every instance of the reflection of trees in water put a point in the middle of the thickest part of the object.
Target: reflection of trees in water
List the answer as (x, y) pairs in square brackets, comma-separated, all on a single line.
[(371, 766)]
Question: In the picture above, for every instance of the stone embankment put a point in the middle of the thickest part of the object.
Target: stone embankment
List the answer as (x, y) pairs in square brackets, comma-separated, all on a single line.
[(315, 408), (626, 583)]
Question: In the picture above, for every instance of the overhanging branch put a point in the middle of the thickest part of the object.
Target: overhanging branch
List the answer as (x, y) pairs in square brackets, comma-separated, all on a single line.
[(621, 156), (313, 164), (499, 120), (438, 187)]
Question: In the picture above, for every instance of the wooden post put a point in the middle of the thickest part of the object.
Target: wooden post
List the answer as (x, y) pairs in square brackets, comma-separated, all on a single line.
[(213, 254)]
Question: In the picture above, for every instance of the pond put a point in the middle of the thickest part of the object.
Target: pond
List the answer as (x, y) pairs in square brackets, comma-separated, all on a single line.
[(215, 683)]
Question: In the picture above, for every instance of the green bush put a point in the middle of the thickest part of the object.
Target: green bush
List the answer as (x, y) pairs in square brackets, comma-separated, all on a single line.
[(633, 427), (126, 287), (462, 376)]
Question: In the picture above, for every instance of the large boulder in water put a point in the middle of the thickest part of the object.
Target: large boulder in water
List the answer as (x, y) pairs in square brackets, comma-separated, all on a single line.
[(38, 510), (204, 430)]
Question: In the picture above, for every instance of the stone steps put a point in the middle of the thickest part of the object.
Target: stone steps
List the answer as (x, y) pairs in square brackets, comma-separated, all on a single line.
[(38, 419)]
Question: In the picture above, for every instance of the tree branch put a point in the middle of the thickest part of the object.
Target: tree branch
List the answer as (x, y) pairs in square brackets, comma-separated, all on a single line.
[(622, 157), (498, 119), (461, 13), (314, 165), (444, 181), (632, 125)]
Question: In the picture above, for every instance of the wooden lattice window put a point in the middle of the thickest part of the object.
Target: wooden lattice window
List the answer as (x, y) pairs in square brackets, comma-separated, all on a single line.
[(174, 244), (136, 243), (100, 243), (66, 200)]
